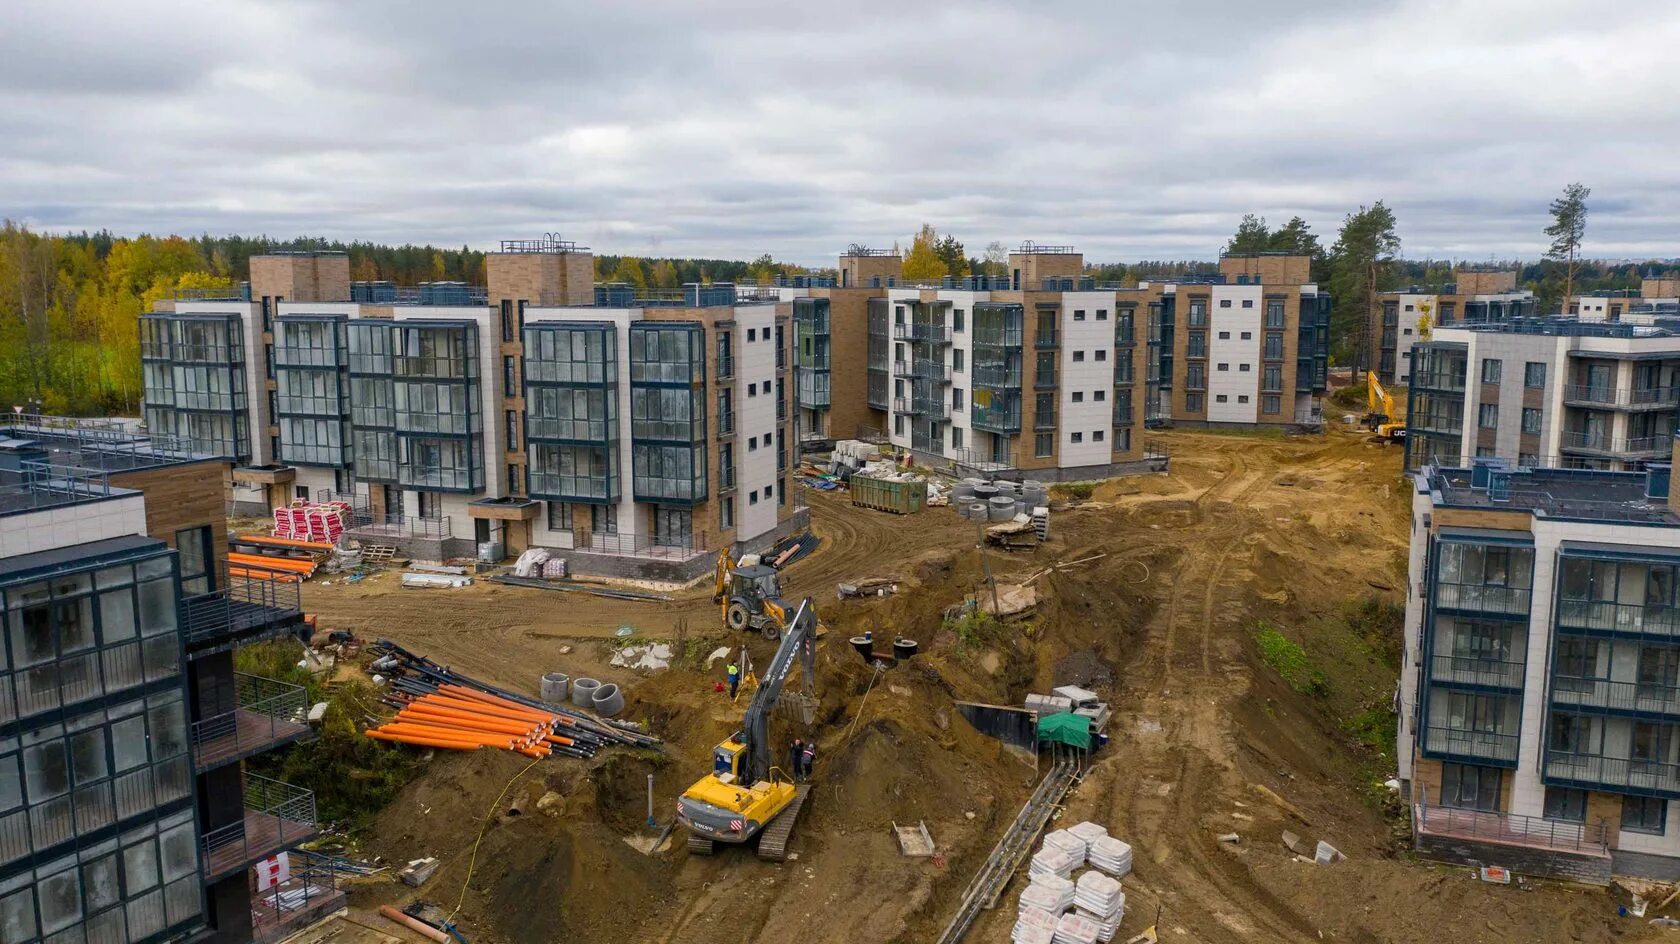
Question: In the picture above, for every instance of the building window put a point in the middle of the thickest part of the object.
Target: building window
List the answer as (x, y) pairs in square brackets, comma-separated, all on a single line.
[(602, 519), (193, 544), (957, 320), (1079, 314), (752, 390), (898, 424), (1534, 374), (1102, 314), (1078, 437), (726, 512), (1566, 804), (957, 360), (1224, 303), (507, 319), (1078, 357), (1222, 367), (1470, 788), (1243, 368), (1102, 355), (956, 399), (1198, 313), (1644, 814), (752, 335), (1487, 416), (559, 516), (956, 437), (1247, 336), (752, 444), (1248, 303), (1530, 420), (1242, 398), (1274, 314), (1044, 444), (515, 485), (1193, 402), (752, 496), (1099, 395), (1220, 398), (1097, 436), (1490, 370), (510, 377), (1224, 335), (1271, 404), (512, 430), (1079, 396)]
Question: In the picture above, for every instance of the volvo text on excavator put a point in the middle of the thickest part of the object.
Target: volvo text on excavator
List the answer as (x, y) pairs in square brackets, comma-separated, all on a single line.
[(744, 795)]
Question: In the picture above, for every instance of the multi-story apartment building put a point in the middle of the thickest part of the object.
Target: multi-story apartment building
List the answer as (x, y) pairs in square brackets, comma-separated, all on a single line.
[(1657, 296), (1544, 392), (1409, 316), (1540, 700), (451, 416), (125, 810)]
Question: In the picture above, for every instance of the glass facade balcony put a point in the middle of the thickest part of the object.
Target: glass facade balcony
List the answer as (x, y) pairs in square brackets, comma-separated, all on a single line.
[(1614, 774), (1490, 746), (1481, 598), (193, 376), (1660, 620), (668, 412), (1615, 695), (1484, 673)]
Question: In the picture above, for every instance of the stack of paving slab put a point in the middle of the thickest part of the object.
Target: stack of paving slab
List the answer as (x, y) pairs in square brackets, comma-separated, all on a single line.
[(1034, 926), (1098, 897), (1074, 928), (1050, 892), (1065, 841), (1053, 861), (1110, 855)]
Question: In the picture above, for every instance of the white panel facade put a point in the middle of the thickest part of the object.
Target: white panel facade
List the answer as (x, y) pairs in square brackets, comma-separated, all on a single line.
[(755, 421), (68, 525), (1084, 378), (1233, 365)]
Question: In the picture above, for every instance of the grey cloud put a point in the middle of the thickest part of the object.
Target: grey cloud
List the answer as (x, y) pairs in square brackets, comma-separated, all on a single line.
[(744, 126)]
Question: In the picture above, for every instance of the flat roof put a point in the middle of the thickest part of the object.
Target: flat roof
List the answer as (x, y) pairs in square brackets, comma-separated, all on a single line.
[(41, 563), (1582, 494), (94, 444)]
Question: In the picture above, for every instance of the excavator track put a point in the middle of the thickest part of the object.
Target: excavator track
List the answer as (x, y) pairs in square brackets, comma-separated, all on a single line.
[(699, 845), (773, 842)]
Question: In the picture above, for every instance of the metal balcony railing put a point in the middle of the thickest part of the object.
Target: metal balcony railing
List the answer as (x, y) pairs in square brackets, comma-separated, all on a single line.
[(1604, 395), (726, 480), (1046, 338), (1122, 414), (1045, 420), (644, 545), (1616, 773), (268, 712), (1482, 745), (781, 358), (1597, 442), (1645, 697), (992, 375), (725, 367), (242, 603), (1472, 671), (1619, 617), (1506, 828), (405, 526), (726, 423), (277, 816), (1481, 598), (901, 369), (813, 362), (922, 331), (996, 420), (1044, 380)]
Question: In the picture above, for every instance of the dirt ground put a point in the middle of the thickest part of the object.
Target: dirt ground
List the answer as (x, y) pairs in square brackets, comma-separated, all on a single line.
[(1165, 580)]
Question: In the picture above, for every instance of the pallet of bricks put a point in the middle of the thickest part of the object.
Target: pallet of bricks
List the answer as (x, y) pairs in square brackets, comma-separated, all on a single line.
[(1057, 909), (312, 521)]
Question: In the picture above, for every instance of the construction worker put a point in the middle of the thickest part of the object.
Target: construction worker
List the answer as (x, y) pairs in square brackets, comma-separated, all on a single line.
[(806, 756), (796, 755), (734, 679)]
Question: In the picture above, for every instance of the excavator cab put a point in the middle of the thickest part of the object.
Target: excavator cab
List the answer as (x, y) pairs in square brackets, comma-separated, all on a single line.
[(727, 759)]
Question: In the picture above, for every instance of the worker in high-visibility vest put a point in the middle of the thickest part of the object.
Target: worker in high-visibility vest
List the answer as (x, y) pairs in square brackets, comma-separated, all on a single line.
[(734, 679)]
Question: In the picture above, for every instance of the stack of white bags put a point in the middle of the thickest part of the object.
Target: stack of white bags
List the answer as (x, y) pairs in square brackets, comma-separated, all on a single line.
[(1074, 928), (1067, 841), (1099, 898), (1052, 861), (1056, 910), (1034, 926), (1111, 855)]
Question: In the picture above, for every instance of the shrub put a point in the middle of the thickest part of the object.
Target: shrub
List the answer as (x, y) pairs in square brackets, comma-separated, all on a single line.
[(1290, 661)]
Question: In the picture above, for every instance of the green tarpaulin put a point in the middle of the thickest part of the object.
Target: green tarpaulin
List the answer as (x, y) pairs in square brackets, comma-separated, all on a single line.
[(1066, 728)]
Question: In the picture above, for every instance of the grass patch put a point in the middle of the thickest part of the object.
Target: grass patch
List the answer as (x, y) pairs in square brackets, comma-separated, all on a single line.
[(353, 776), (1290, 661), (1079, 490), (976, 627), (1380, 624)]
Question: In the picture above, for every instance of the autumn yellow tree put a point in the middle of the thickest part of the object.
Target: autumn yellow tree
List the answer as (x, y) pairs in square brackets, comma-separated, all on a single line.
[(923, 261)]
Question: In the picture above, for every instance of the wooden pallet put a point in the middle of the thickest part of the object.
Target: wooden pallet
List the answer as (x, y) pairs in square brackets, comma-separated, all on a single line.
[(379, 554), (773, 842)]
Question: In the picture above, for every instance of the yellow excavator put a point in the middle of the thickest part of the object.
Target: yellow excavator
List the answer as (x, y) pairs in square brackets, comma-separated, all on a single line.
[(1379, 416), (745, 795), (750, 597)]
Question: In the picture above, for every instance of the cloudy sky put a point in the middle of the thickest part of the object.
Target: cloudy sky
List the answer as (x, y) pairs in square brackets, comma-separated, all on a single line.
[(735, 127)]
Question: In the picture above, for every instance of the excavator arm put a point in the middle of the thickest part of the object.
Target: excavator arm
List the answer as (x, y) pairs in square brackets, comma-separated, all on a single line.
[(799, 641)]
